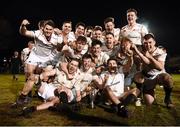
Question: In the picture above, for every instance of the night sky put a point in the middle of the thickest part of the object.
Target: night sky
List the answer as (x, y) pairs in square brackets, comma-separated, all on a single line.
[(161, 18)]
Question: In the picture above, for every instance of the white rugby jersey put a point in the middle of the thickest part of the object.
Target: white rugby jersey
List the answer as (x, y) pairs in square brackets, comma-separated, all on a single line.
[(43, 47), (71, 37), (158, 54), (102, 59), (62, 79), (115, 82), (25, 53), (86, 79), (69, 54), (135, 34), (116, 32)]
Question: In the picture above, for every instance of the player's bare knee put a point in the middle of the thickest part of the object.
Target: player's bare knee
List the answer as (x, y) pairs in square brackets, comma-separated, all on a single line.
[(135, 91), (167, 80)]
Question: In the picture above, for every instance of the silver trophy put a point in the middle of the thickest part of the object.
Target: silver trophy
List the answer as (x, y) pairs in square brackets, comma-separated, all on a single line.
[(92, 99)]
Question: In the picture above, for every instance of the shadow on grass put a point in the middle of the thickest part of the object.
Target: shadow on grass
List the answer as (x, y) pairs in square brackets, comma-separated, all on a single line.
[(8, 116), (90, 120)]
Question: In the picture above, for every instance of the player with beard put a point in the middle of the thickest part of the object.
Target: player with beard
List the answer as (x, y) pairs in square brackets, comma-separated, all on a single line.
[(153, 72), (112, 81)]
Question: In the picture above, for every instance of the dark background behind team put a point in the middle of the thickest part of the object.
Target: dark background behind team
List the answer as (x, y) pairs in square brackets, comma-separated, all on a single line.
[(161, 18)]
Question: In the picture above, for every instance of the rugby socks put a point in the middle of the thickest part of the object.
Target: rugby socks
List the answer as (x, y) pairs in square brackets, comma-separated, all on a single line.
[(129, 99), (168, 92)]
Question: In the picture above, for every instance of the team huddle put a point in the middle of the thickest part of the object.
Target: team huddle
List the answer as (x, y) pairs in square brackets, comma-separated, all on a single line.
[(66, 66)]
